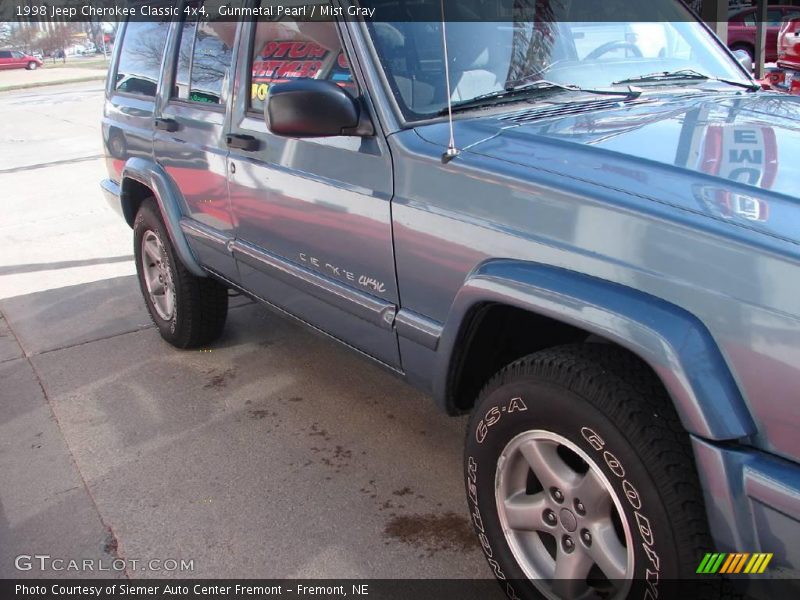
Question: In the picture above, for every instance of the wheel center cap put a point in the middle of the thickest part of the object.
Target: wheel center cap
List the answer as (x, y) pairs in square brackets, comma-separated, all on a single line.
[(568, 520)]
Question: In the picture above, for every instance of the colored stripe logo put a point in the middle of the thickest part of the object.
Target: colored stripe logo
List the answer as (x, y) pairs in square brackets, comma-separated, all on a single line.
[(734, 563)]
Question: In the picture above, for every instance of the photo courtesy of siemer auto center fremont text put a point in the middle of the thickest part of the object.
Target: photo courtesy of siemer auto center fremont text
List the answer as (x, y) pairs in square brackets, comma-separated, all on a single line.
[(400, 299)]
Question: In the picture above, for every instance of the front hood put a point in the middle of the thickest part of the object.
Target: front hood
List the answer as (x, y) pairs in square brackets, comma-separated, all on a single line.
[(732, 156)]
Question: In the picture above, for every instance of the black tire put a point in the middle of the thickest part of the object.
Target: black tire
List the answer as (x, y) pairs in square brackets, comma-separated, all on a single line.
[(613, 410), (32, 66), (200, 304)]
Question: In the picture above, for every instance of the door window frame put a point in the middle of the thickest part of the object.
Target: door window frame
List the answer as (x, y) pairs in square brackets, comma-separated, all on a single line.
[(248, 57)]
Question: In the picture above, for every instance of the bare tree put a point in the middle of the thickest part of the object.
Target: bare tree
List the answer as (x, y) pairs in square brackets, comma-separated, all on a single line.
[(695, 5), (5, 34), (57, 38), (22, 36)]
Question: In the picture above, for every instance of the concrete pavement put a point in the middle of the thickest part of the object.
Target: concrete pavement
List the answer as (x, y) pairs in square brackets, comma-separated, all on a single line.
[(274, 453)]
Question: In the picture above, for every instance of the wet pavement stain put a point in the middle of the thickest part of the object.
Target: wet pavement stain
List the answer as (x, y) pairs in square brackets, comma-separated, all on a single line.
[(261, 414), (432, 533), (219, 380)]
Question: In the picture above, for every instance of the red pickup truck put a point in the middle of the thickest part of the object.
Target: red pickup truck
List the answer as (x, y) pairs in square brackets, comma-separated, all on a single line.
[(742, 29)]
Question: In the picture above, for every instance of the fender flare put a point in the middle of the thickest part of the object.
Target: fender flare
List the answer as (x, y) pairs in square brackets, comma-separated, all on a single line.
[(675, 343), (168, 197)]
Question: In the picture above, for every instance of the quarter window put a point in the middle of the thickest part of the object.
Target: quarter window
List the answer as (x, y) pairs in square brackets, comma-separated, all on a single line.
[(140, 58), (286, 49)]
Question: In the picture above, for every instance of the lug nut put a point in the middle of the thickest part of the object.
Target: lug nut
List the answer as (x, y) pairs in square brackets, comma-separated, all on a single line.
[(558, 496), (567, 544), (549, 517), (586, 537), (579, 507)]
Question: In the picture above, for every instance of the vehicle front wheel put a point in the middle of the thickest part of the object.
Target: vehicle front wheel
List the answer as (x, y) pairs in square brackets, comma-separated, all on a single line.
[(189, 311), (32, 66), (581, 481)]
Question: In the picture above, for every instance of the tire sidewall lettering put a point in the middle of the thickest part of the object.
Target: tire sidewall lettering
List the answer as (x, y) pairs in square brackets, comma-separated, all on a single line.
[(494, 415), (643, 527)]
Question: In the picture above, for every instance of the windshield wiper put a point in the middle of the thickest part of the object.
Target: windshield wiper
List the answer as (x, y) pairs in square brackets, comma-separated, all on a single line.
[(532, 88), (685, 75)]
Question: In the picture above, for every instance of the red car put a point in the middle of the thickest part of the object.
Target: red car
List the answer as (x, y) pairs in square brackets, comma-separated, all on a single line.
[(742, 29), (13, 59)]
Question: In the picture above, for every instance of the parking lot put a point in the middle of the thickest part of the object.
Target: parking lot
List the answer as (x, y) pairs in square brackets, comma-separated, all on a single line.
[(274, 453)]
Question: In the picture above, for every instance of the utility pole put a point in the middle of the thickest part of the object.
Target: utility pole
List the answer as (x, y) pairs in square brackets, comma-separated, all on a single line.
[(715, 13)]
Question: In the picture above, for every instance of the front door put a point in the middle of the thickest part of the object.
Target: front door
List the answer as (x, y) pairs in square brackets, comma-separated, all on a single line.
[(313, 216)]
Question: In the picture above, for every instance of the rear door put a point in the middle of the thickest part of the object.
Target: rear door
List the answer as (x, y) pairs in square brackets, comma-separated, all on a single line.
[(189, 140), (5, 59), (131, 92), (313, 216)]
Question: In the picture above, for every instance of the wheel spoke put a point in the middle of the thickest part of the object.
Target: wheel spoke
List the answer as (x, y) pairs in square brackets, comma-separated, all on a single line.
[(151, 279), (593, 494), (569, 578), (152, 251), (548, 466), (524, 512), (607, 551)]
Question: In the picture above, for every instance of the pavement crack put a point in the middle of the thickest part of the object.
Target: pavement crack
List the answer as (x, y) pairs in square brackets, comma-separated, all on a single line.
[(92, 341), (66, 161), (111, 543)]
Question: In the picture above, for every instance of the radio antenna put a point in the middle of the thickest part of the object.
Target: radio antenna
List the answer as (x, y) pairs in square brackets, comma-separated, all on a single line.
[(451, 151)]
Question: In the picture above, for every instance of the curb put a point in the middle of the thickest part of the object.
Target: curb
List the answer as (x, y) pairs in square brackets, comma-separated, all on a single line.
[(23, 86)]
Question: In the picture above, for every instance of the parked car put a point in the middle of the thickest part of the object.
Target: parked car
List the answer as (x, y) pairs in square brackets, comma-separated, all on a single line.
[(597, 258), (742, 29), (14, 59)]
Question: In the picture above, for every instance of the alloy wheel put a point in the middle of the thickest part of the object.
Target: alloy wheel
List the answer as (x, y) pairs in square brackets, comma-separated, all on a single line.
[(561, 518)]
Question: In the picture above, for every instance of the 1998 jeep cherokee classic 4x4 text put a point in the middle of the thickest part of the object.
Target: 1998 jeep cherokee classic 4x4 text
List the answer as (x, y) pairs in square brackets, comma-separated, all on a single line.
[(603, 268)]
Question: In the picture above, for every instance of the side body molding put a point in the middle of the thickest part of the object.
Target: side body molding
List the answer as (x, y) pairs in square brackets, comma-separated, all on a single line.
[(149, 173), (672, 341)]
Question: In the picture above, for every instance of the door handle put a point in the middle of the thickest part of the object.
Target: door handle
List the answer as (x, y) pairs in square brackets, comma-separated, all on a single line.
[(242, 142), (166, 124)]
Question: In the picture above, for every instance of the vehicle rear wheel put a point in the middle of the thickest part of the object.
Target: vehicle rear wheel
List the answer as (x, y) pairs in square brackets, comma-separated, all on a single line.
[(189, 311), (581, 481), (32, 66)]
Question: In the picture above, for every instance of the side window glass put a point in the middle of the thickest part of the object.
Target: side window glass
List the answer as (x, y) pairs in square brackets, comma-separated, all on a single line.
[(286, 49), (205, 54), (5, 54), (211, 61), (140, 58)]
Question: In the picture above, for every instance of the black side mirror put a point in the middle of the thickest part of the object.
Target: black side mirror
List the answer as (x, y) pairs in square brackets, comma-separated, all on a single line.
[(314, 108)]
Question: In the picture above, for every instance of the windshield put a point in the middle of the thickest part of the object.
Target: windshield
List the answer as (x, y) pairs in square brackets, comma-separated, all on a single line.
[(551, 44)]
